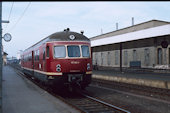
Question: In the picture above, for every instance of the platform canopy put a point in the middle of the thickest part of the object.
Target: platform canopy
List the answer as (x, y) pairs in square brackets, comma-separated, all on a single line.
[(136, 35)]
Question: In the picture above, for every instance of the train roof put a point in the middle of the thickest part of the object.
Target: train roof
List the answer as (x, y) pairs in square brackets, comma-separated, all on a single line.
[(65, 35)]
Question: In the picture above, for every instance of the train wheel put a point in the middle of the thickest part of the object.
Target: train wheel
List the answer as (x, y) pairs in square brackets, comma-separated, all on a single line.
[(70, 88), (83, 87)]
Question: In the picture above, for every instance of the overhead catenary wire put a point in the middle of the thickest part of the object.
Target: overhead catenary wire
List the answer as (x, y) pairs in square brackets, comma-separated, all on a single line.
[(20, 17), (9, 15), (11, 10)]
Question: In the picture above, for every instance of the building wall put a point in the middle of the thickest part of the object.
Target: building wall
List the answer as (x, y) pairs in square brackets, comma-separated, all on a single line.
[(145, 51), (112, 58)]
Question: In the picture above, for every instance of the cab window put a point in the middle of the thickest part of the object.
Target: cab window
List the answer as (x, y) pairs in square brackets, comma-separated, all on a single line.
[(85, 51), (59, 51), (73, 51)]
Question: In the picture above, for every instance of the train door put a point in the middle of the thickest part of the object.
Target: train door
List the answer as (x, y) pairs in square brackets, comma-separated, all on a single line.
[(32, 62)]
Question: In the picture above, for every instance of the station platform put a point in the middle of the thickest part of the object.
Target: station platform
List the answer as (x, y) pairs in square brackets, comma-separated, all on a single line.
[(158, 80), (20, 95)]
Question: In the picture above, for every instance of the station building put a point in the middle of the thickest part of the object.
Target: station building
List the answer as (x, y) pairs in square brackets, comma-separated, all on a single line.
[(145, 45)]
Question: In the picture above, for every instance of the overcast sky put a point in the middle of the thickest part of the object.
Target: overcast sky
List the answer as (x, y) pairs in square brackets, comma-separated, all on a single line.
[(32, 21)]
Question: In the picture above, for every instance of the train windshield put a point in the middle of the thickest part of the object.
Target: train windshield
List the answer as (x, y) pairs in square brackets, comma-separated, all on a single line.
[(85, 51), (59, 51), (73, 51)]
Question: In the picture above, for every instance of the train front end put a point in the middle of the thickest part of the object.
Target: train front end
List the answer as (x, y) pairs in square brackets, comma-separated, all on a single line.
[(72, 60)]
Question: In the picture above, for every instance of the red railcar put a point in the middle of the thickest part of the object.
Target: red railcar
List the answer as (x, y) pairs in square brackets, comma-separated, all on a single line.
[(63, 58)]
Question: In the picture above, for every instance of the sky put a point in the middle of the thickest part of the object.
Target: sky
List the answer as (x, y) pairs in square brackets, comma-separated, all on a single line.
[(29, 22)]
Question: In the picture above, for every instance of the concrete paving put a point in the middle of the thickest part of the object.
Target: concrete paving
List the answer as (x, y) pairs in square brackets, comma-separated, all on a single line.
[(20, 95), (159, 80), (137, 75)]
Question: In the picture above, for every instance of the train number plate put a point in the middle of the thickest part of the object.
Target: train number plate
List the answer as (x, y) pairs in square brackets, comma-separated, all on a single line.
[(72, 77)]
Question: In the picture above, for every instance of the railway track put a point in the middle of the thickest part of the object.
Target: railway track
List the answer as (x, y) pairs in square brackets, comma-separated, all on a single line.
[(79, 100), (158, 93), (88, 104)]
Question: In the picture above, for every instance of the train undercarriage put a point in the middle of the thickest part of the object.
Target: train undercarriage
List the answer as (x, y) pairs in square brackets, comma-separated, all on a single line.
[(67, 80)]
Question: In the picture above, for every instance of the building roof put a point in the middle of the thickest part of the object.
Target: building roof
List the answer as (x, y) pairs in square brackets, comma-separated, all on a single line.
[(137, 27), (5, 53), (148, 29)]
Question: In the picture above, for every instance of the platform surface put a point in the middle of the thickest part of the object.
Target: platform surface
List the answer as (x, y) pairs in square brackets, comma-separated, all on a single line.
[(137, 75), (20, 95), (157, 80)]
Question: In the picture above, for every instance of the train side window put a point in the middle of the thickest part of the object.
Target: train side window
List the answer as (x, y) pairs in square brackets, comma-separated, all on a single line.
[(47, 51), (30, 57), (26, 58), (43, 53), (35, 55), (38, 54)]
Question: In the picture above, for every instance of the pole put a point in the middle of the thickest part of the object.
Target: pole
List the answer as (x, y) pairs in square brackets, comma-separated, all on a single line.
[(132, 21), (1, 57), (1, 21), (101, 31), (116, 26)]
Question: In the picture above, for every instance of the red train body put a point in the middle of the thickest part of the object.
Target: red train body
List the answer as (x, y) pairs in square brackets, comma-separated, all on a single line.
[(63, 58)]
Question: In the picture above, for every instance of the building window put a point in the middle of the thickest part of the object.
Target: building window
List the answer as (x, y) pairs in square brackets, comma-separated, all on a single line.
[(108, 58), (146, 59), (96, 58), (134, 55), (116, 58), (125, 57), (169, 55), (164, 57), (159, 56), (101, 59)]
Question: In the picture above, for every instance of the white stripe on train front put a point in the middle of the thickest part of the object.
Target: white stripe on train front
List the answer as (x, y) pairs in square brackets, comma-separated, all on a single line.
[(43, 72)]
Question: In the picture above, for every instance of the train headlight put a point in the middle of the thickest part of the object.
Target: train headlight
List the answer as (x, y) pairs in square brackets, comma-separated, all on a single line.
[(88, 66), (58, 67)]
